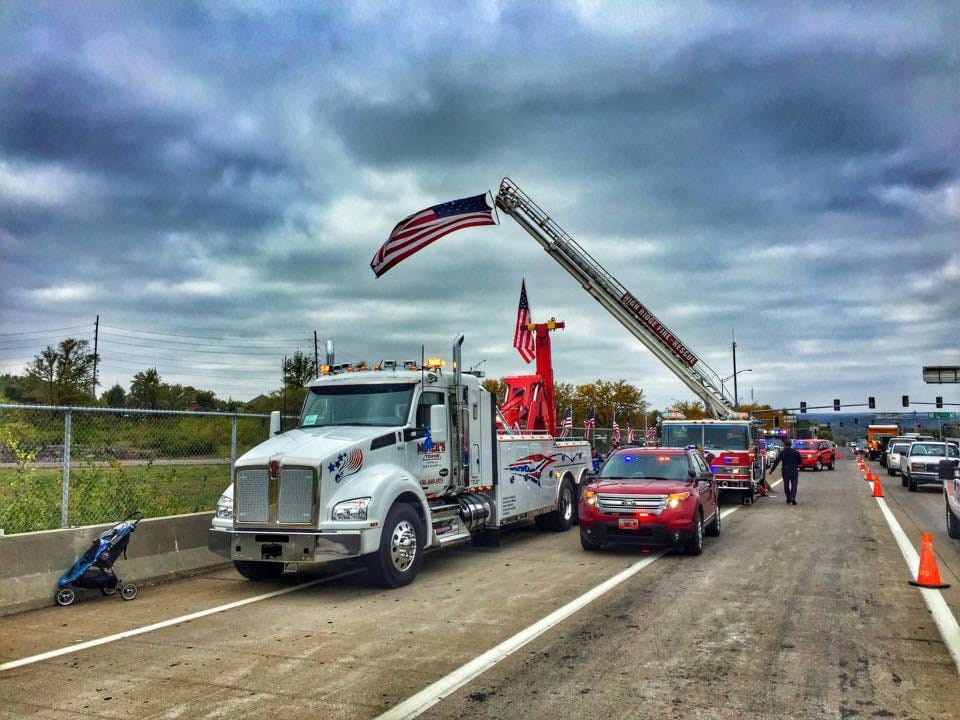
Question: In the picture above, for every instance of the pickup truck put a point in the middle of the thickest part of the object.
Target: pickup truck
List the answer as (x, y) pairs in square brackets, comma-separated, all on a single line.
[(921, 463), (651, 497)]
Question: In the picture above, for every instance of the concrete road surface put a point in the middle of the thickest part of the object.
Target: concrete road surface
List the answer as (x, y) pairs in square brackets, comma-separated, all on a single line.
[(794, 612)]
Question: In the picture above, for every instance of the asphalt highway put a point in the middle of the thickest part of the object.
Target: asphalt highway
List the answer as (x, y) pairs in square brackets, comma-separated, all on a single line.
[(794, 612)]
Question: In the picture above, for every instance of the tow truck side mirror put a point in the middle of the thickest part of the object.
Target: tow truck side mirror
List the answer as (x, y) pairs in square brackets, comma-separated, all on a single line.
[(438, 423), (274, 423)]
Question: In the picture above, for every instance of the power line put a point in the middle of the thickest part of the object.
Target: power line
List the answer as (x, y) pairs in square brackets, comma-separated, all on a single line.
[(172, 345), (205, 337), (44, 332)]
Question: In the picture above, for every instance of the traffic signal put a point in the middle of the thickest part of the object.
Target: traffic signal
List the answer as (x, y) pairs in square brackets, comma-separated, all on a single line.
[(872, 402), (803, 407), (906, 400), (836, 404), (939, 401)]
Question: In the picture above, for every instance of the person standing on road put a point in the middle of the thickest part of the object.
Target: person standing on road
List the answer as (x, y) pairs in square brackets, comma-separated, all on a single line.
[(790, 461)]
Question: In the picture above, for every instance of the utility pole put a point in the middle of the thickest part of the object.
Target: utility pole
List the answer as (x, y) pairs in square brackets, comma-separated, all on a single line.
[(283, 379), (96, 338), (736, 398), (316, 356)]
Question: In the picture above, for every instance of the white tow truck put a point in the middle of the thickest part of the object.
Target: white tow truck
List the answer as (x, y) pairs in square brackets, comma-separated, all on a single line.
[(389, 463)]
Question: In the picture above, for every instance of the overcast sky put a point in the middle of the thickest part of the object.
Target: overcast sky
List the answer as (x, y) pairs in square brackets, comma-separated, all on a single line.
[(226, 171)]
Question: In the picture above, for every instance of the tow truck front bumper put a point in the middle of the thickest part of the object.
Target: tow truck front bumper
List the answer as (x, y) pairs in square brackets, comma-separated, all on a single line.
[(282, 546)]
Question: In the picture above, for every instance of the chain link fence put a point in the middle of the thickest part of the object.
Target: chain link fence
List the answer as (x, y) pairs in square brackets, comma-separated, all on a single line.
[(68, 466)]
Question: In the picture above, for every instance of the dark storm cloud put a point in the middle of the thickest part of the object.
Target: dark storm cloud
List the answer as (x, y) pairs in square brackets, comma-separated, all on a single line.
[(791, 173)]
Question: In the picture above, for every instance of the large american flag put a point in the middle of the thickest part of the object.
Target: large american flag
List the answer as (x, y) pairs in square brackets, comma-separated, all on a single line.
[(415, 232), (616, 430), (522, 336), (631, 435), (590, 422), (567, 425)]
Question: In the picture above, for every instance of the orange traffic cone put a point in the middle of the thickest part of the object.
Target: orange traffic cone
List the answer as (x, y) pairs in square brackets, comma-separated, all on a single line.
[(877, 489), (869, 476), (928, 576)]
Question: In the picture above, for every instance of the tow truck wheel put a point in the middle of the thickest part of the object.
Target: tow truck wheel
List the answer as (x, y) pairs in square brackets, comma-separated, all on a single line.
[(561, 519), (397, 560), (258, 571), (953, 522), (695, 546)]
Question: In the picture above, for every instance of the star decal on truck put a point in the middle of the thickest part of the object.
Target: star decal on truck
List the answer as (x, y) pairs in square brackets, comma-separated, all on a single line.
[(346, 464)]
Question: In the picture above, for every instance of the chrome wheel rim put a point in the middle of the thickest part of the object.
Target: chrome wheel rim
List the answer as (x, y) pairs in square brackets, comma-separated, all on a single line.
[(65, 596), (566, 503), (403, 546), (129, 592)]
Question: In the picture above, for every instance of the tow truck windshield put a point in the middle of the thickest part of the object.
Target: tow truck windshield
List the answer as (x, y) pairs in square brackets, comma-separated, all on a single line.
[(387, 404), (709, 437), (625, 466)]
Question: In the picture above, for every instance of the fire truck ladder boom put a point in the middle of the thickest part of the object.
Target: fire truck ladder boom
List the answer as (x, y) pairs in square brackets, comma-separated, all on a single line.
[(614, 297)]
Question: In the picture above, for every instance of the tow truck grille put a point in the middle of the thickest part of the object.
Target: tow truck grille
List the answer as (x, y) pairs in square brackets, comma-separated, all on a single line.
[(295, 504), (612, 504), (253, 496)]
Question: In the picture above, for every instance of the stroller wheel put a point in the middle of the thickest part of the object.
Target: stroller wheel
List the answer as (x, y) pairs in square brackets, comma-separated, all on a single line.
[(109, 590), (128, 591), (66, 597)]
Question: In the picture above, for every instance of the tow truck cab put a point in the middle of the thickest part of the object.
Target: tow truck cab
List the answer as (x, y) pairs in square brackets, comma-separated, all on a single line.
[(731, 448)]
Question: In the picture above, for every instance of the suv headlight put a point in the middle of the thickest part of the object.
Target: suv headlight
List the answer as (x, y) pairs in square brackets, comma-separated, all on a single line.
[(676, 499), (225, 507), (355, 509)]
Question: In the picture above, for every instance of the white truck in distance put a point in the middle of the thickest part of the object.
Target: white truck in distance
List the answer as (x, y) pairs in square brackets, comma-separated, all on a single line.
[(385, 465)]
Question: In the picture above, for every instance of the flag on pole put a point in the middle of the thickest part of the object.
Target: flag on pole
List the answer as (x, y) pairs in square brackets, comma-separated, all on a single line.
[(415, 232), (590, 422), (567, 424), (522, 336), (616, 428), (651, 433), (631, 436)]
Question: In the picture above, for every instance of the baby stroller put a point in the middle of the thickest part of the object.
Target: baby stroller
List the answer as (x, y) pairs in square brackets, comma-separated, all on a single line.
[(95, 568)]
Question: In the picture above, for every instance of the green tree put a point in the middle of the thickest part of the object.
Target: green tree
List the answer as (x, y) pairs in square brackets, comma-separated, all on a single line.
[(496, 387), (607, 396), (62, 375), (298, 370), (115, 397), (145, 389), (206, 400), (694, 410)]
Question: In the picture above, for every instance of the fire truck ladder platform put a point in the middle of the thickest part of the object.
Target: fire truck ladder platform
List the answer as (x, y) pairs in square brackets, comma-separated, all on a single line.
[(617, 300)]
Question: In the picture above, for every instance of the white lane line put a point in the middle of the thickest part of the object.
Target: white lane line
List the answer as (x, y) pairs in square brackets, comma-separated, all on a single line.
[(942, 615), (167, 623), (445, 686)]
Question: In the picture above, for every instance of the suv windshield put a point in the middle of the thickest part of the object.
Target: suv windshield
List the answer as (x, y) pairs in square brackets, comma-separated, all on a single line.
[(710, 437), (626, 466), (387, 404)]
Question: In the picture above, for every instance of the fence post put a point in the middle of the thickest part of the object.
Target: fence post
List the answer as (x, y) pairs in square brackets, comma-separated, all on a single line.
[(65, 489), (233, 444)]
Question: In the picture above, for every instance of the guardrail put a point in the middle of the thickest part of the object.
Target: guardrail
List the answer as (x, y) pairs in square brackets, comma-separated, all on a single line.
[(62, 466)]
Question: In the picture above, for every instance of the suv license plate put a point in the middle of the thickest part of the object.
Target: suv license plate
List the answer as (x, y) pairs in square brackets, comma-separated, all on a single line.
[(629, 524)]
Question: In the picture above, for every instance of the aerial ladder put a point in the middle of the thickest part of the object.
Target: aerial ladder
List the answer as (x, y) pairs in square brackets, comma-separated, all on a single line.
[(617, 300)]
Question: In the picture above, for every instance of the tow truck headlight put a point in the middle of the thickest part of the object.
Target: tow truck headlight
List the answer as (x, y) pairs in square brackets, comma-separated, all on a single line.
[(355, 509), (676, 499), (590, 496), (225, 507)]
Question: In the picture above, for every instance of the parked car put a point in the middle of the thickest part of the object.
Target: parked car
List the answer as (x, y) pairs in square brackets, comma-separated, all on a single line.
[(895, 451), (907, 438), (651, 497), (921, 463), (816, 454)]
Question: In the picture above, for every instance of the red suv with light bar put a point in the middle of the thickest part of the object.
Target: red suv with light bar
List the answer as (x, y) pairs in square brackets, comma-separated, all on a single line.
[(651, 497), (816, 454)]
